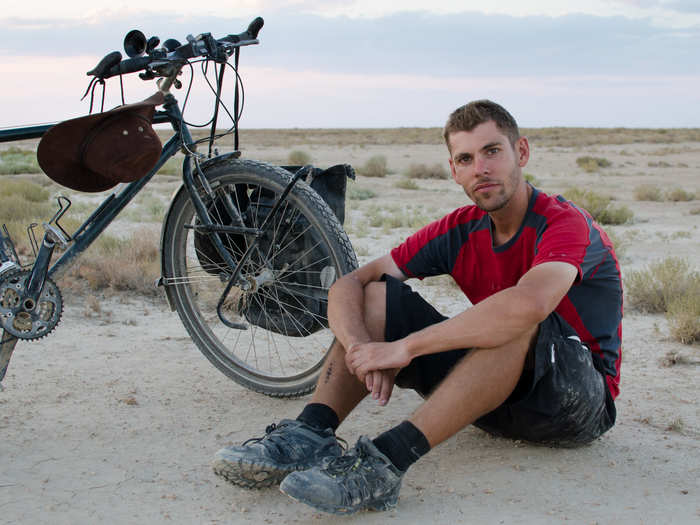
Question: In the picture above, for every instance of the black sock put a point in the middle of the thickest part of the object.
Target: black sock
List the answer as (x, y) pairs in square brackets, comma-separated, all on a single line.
[(319, 416), (403, 445)]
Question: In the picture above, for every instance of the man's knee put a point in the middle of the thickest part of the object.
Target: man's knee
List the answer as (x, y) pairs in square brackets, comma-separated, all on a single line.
[(375, 309)]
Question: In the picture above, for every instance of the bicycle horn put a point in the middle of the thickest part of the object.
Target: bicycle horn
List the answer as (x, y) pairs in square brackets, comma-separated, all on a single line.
[(135, 43)]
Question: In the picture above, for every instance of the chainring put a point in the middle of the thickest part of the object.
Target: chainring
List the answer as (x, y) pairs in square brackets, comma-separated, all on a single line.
[(21, 317)]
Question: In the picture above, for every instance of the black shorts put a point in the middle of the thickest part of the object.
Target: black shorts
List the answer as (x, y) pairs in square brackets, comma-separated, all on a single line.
[(561, 398)]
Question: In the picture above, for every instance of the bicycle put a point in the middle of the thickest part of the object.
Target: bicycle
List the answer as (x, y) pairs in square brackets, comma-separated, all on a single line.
[(248, 249)]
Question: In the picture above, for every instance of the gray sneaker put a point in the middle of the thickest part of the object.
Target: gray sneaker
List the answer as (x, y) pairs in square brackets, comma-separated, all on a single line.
[(363, 478), (288, 446)]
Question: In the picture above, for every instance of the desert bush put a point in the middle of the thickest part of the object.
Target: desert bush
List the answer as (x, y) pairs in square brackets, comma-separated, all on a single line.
[(23, 189), (423, 171), (678, 195), (659, 164), (654, 288), (298, 158), (620, 243), (121, 264), (406, 184), (599, 206), (22, 202), (529, 177), (172, 166), (648, 192), (374, 167), (15, 160), (395, 217), (357, 193), (684, 317), (695, 211), (590, 164)]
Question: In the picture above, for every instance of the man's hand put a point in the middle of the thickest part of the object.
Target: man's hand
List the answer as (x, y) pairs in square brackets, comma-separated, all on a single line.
[(363, 358), (380, 384)]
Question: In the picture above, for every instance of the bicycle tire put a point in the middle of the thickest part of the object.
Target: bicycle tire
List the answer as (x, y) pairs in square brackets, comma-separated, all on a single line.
[(265, 357)]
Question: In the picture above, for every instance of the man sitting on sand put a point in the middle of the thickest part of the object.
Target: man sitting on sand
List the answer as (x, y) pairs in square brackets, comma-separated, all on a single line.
[(536, 358)]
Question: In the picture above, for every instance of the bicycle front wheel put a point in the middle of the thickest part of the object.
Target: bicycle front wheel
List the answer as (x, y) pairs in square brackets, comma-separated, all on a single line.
[(280, 305)]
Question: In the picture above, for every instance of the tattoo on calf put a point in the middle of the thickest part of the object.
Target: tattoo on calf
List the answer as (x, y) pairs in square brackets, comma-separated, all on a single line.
[(329, 372)]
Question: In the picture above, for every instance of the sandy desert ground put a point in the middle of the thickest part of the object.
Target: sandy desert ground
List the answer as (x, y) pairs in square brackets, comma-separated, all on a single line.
[(114, 418)]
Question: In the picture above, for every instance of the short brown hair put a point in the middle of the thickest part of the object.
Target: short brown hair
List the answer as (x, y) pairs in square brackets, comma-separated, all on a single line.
[(469, 116)]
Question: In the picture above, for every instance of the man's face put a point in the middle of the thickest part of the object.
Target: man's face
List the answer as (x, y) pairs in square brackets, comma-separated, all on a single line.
[(486, 165)]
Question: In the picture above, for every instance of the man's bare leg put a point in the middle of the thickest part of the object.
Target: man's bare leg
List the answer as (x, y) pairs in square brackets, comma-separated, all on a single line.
[(337, 387), (478, 384)]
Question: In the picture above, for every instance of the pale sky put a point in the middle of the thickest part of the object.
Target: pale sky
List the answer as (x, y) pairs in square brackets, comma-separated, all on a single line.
[(378, 63)]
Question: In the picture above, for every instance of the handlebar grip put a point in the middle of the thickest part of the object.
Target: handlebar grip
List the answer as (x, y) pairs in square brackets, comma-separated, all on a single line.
[(130, 65), (255, 27), (107, 63)]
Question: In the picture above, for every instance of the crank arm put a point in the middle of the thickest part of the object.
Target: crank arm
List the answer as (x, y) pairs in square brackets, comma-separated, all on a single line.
[(7, 346)]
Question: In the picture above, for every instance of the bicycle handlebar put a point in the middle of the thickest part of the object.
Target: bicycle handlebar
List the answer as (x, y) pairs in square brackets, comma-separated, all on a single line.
[(202, 45)]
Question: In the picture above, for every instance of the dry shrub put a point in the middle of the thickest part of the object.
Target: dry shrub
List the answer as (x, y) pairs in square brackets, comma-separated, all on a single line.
[(23, 189), (684, 316), (406, 184), (529, 177), (590, 164), (423, 171), (21, 203), (679, 195), (599, 206), (374, 167), (298, 158), (131, 264), (172, 166), (14, 161), (648, 192), (357, 193), (695, 211), (653, 289)]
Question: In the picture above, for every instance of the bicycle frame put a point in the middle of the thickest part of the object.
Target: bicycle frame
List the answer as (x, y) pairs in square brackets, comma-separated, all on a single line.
[(113, 204)]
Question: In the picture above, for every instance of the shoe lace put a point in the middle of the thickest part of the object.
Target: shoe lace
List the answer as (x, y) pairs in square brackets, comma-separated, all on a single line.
[(268, 430), (272, 428), (348, 462)]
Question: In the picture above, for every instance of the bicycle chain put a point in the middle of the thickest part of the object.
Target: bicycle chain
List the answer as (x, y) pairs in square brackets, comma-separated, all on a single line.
[(23, 322)]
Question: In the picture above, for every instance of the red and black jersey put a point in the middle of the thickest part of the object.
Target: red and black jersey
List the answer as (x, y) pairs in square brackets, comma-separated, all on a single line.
[(554, 229)]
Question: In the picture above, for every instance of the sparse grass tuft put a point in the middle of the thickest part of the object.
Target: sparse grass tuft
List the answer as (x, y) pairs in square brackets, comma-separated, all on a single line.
[(374, 167), (648, 192), (130, 264), (529, 177), (172, 166), (684, 316), (406, 184), (599, 206), (23, 189), (590, 164), (423, 171), (669, 286), (299, 158), (356, 193), (390, 217), (14, 161), (679, 195), (651, 290)]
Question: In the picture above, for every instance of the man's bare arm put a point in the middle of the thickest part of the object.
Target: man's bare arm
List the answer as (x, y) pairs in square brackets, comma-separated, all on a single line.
[(346, 300), (493, 322)]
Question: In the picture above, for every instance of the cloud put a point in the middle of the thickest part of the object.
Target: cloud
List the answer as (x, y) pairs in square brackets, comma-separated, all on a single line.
[(423, 43)]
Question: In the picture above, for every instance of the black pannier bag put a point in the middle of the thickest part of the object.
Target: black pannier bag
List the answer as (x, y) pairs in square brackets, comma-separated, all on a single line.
[(289, 306)]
